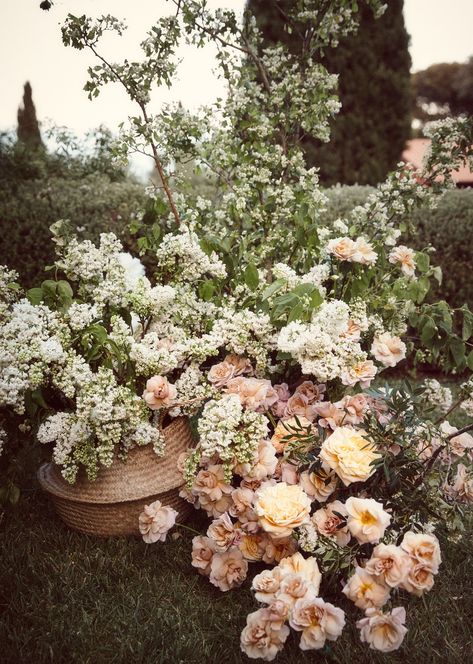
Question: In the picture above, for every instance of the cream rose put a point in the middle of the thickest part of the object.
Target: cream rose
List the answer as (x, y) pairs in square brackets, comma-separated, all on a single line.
[(282, 508), (213, 492), (388, 350), (362, 372), (350, 454), (294, 587), (390, 564), (419, 580), (263, 638), (364, 254), (221, 373), (156, 521), (255, 394), (264, 465), (383, 631), (342, 248), (266, 585), (228, 570), (423, 548), (159, 393), (224, 534), (367, 519), (305, 567), (406, 258), (318, 621), (365, 591)]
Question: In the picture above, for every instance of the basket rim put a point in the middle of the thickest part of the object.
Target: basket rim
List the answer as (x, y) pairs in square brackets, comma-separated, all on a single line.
[(51, 480)]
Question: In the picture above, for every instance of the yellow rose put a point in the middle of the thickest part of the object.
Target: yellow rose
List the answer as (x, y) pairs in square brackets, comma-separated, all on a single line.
[(349, 454), (281, 508)]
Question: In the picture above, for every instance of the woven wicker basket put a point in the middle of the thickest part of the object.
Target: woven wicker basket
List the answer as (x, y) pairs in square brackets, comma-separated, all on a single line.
[(111, 505)]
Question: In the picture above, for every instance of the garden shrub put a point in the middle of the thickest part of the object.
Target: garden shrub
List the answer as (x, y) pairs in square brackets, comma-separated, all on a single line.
[(37, 189)]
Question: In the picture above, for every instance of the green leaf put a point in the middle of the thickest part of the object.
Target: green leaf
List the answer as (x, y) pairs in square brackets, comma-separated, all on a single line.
[(467, 326), (296, 313), (429, 330), (469, 360), (457, 349), (316, 299), (64, 291), (35, 295), (422, 261), (251, 276), (206, 290), (273, 288)]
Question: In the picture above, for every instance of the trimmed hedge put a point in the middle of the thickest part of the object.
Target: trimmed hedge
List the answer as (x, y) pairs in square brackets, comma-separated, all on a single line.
[(94, 204)]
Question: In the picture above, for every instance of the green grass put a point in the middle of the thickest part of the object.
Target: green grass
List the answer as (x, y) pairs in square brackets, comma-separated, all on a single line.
[(67, 597)]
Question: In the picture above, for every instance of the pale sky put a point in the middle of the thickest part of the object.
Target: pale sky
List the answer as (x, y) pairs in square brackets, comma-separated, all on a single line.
[(31, 49)]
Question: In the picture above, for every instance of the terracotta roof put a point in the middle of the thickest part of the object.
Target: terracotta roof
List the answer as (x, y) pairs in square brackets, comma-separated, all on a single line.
[(414, 153)]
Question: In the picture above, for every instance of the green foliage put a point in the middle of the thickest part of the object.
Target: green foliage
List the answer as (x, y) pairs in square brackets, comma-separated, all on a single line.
[(448, 228), (37, 189), (369, 133)]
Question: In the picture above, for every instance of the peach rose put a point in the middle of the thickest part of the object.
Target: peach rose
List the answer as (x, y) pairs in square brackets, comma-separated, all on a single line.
[(364, 254), (262, 638), (318, 485), (318, 621), (283, 393), (406, 258), (223, 532), (459, 444), (277, 549), (363, 589), (253, 546), (289, 473), (213, 492), (355, 408), (342, 248), (331, 523), (367, 519), (289, 430), (423, 548), (350, 454), (389, 563), (331, 416), (419, 580), (299, 405), (462, 488), (362, 372), (383, 631), (203, 549), (255, 393), (228, 570), (293, 587), (305, 567), (159, 393), (249, 521), (221, 373), (388, 350), (156, 521), (353, 331), (311, 391), (241, 365), (242, 501), (282, 508), (266, 585), (278, 611), (264, 465)]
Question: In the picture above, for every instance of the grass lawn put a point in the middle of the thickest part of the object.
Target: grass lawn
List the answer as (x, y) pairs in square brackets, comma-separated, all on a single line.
[(66, 597), (71, 598)]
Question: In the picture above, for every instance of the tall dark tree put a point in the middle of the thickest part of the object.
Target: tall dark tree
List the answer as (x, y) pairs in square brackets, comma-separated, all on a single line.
[(443, 89), (28, 128), (370, 132)]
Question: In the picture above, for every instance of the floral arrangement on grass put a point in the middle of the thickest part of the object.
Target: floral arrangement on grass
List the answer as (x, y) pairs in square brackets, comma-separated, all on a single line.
[(270, 329)]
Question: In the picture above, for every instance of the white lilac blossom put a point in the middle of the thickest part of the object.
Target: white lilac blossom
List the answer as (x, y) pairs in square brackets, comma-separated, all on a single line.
[(32, 341), (181, 259), (437, 395)]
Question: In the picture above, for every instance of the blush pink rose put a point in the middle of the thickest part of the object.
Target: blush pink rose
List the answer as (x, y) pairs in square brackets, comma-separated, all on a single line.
[(159, 393)]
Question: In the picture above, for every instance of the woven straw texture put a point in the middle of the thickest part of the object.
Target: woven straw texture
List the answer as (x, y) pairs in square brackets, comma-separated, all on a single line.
[(112, 504)]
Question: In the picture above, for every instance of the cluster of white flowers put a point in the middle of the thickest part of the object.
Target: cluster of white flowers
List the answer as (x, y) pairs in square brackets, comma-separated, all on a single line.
[(9, 289), (181, 258), (467, 392), (108, 418), (246, 333), (32, 341), (437, 395), (81, 316), (324, 347), (229, 431), (193, 390), (316, 276)]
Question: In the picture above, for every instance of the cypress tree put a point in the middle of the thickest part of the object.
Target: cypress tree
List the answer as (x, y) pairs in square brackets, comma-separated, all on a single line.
[(28, 128), (369, 133)]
